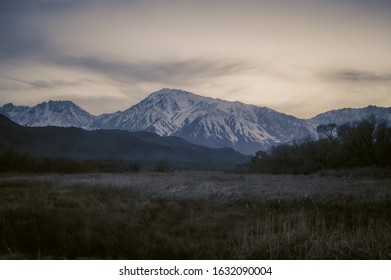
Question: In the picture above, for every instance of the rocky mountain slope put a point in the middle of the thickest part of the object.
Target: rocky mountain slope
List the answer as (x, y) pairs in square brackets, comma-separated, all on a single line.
[(52, 113), (207, 121), (200, 120)]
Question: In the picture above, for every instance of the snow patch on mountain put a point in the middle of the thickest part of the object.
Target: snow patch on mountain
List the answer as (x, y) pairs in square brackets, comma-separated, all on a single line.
[(207, 121), (347, 115), (52, 113), (201, 120)]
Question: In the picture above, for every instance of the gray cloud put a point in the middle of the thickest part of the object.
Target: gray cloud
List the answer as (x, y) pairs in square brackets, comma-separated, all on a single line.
[(28, 6), (22, 23), (41, 7), (40, 84), (50, 84), (374, 4), (356, 76), (19, 36), (23, 40), (173, 72)]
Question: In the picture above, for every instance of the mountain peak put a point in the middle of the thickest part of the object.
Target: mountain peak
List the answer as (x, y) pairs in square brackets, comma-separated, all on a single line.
[(8, 107), (201, 120), (53, 113), (172, 93), (207, 121), (60, 103)]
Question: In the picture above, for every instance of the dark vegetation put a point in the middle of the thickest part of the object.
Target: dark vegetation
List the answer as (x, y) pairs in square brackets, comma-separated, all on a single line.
[(86, 149), (366, 143), (13, 161), (193, 216), (162, 166)]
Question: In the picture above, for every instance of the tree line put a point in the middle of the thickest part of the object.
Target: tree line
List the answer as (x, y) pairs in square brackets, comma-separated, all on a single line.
[(14, 161), (357, 144)]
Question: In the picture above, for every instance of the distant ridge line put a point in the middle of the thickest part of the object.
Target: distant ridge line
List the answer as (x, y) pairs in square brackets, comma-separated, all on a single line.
[(200, 120)]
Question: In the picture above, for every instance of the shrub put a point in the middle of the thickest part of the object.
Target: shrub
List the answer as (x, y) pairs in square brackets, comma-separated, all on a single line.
[(162, 166)]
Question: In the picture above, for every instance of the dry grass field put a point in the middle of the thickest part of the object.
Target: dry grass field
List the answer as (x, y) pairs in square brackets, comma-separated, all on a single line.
[(194, 215)]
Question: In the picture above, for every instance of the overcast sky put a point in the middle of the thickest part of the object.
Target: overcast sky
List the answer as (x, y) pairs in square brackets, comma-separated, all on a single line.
[(300, 57)]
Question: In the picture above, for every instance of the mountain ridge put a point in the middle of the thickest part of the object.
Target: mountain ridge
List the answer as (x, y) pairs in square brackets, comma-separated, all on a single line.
[(51, 113), (206, 121), (200, 120)]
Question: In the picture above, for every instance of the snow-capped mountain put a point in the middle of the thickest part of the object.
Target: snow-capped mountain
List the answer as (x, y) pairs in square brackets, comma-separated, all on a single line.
[(11, 111), (200, 120), (346, 115), (52, 113), (207, 121)]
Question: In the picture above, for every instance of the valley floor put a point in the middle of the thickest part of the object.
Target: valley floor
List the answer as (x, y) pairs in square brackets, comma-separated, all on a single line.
[(193, 215)]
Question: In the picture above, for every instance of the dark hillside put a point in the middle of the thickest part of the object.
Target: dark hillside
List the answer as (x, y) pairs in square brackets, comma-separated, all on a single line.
[(76, 143)]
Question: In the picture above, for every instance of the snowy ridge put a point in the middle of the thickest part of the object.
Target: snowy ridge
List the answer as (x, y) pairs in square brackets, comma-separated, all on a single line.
[(207, 121), (350, 115), (52, 113), (11, 111), (201, 120)]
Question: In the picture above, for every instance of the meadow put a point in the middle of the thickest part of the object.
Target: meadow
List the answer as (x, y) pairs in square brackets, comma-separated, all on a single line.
[(194, 215)]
